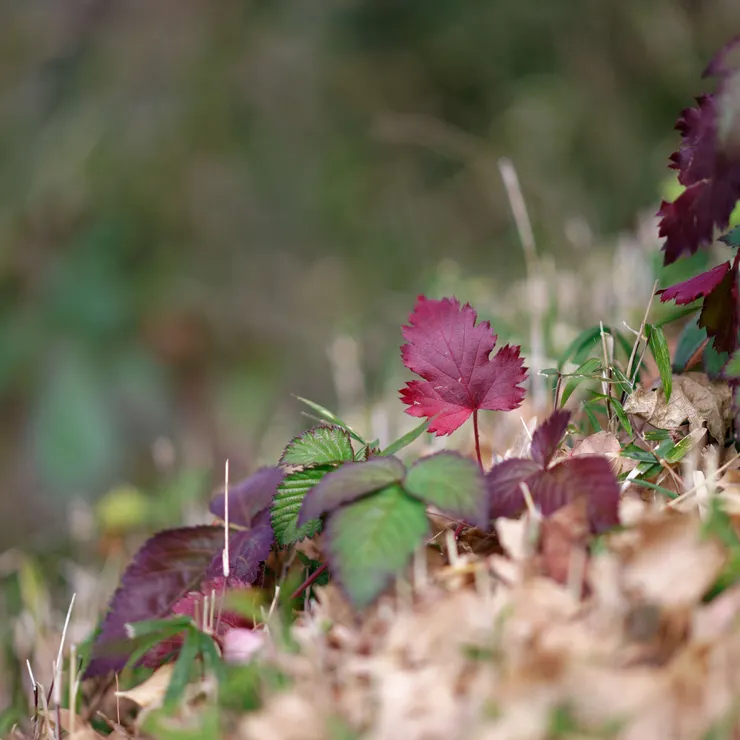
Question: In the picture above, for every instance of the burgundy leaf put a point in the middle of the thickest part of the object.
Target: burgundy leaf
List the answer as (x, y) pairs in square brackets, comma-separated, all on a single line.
[(719, 314), (167, 567), (248, 549), (708, 164), (586, 476), (548, 436), (250, 499), (348, 483), (452, 354), (504, 481), (696, 287)]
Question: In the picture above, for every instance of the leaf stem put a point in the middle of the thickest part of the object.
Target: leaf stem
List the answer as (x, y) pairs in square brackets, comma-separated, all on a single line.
[(477, 439), (316, 574)]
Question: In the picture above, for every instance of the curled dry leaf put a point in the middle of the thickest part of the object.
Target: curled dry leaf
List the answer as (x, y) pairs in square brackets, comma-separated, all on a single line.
[(150, 693), (695, 399)]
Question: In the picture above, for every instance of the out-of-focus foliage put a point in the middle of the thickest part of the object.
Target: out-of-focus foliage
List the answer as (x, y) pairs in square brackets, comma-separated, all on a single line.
[(196, 197)]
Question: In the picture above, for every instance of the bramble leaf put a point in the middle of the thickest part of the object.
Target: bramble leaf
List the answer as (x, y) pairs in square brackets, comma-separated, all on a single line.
[(371, 540), (167, 566), (588, 476), (250, 499), (548, 436), (286, 505), (320, 445), (348, 483), (452, 483), (452, 355)]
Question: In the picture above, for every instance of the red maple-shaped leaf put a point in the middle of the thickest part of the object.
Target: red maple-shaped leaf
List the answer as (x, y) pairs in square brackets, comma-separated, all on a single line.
[(719, 314), (588, 477), (708, 165), (452, 355)]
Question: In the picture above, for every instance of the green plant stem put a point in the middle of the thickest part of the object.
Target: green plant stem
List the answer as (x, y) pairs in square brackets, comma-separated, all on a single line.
[(316, 574), (477, 440)]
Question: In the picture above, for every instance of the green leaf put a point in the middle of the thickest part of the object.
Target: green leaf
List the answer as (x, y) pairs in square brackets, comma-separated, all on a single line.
[(661, 355), (158, 626), (453, 484), (407, 439), (331, 417), (714, 362), (733, 367), (653, 486), (371, 540), (287, 502), (592, 418), (622, 416), (349, 482), (183, 667), (732, 237), (689, 343), (318, 446), (618, 410), (682, 447), (622, 381), (584, 372)]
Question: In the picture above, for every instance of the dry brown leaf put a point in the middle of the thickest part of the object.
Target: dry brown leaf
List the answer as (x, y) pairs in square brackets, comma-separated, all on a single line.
[(150, 693), (694, 398), (607, 445), (563, 544), (667, 561)]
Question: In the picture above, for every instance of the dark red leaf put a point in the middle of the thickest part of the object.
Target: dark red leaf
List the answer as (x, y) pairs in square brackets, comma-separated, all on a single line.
[(250, 499), (446, 348), (504, 481), (696, 287), (587, 476), (167, 567), (248, 549), (548, 436), (719, 314), (708, 164)]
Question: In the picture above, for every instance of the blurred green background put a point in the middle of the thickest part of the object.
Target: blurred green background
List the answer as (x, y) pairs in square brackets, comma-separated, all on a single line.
[(207, 206)]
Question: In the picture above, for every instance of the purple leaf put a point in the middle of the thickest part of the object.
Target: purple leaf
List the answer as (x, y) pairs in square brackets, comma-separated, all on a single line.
[(548, 436), (696, 287), (248, 549), (586, 476), (168, 566), (708, 164), (348, 483), (504, 481), (452, 354), (719, 314), (250, 498)]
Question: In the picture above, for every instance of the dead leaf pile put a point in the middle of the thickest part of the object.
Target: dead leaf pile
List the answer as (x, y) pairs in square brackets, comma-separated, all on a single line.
[(614, 640)]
